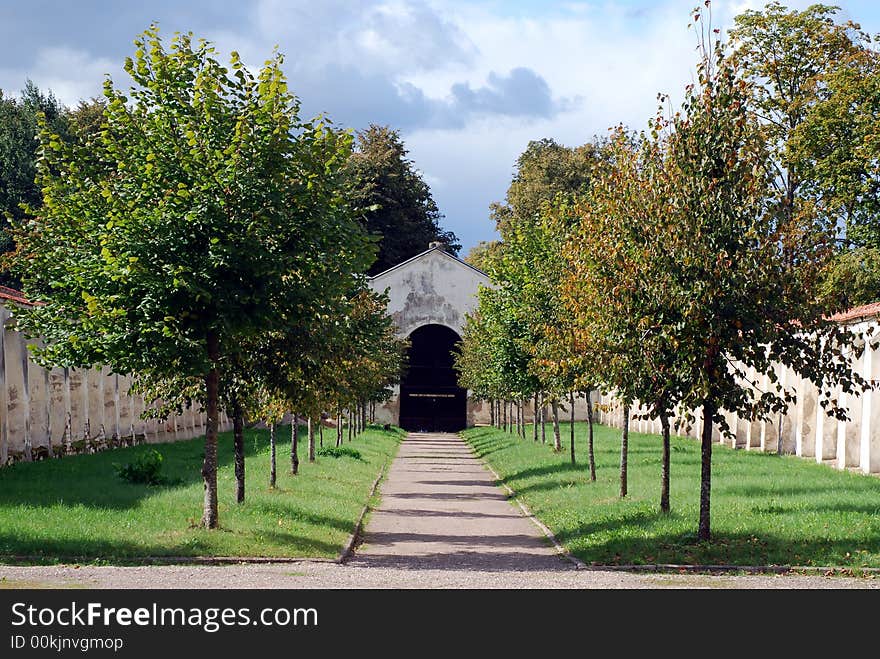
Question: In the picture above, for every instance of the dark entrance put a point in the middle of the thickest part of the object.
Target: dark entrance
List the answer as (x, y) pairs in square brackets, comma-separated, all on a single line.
[(430, 398)]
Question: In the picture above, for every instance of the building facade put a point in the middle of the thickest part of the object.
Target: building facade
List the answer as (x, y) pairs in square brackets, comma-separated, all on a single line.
[(429, 297)]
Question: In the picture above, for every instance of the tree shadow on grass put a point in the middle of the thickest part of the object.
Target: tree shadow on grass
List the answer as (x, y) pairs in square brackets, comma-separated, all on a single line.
[(724, 549), (91, 480), (280, 511), (37, 549)]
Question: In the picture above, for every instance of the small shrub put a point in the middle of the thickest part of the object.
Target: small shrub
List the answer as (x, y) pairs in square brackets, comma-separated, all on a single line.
[(145, 469), (339, 452)]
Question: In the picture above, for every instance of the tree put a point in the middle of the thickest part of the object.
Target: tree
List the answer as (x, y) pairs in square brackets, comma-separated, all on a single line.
[(616, 293), (204, 213), (837, 150), (742, 277), (392, 199), (785, 55), (813, 89), (18, 157)]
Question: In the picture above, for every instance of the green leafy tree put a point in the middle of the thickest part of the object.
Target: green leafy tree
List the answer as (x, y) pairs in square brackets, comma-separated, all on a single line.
[(785, 55), (813, 89), (205, 214), (18, 157), (741, 278), (392, 199), (837, 150)]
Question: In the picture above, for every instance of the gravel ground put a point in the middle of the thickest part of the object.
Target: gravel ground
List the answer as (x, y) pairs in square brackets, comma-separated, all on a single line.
[(313, 574)]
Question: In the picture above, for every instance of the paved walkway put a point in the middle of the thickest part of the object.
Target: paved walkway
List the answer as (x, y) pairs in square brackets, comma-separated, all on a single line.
[(441, 509)]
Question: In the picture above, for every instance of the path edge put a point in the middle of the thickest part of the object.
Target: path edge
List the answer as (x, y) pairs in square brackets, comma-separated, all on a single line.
[(355, 536), (560, 549)]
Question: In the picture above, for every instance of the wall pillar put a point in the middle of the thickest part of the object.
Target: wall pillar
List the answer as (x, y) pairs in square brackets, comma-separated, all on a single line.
[(4, 402), (869, 458), (805, 430)]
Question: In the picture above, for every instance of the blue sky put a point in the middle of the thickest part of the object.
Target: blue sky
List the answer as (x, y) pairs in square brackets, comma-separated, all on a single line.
[(467, 83)]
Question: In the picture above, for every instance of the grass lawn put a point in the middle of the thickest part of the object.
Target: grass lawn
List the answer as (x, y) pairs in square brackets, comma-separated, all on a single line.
[(77, 507), (766, 509)]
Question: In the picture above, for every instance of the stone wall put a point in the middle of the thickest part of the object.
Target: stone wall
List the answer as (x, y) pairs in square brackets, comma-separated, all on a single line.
[(805, 428), (47, 412)]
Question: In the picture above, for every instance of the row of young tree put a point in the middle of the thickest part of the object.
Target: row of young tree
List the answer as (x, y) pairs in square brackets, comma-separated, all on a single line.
[(197, 232), (665, 266)]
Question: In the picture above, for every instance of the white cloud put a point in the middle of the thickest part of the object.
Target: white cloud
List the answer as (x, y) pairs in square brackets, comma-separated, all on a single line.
[(71, 74)]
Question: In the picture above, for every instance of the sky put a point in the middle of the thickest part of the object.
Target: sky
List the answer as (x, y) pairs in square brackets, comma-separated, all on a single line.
[(468, 84)]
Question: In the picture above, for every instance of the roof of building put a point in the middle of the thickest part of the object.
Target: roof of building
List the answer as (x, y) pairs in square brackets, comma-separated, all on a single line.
[(426, 252), (13, 295), (863, 312)]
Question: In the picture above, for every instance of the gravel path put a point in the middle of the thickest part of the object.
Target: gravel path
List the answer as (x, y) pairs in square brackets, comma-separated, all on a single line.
[(441, 509), (442, 523)]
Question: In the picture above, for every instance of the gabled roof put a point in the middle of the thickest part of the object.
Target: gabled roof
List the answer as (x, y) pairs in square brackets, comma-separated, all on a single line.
[(425, 253)]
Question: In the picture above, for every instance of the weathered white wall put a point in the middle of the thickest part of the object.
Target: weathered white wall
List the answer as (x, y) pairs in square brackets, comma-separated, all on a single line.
[(431, 288), (806, 430), (43, 410)]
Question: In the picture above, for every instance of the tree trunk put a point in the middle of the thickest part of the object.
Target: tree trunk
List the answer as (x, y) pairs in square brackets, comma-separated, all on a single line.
[(311, 430), (238, 448), (492, 413), (664, 470), (272, 455), (348, 414), (624, 451), (519, 419), (504, 416), (364, 416), (779, 448), (210, 516), (704, 533), (557, 437), (339, 427), (294, 448), (571, 428), (320, 432), (535, 420), (543, 420), (590, 437)]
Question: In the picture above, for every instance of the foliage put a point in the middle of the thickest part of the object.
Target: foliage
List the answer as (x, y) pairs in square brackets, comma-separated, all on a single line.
[(392, 199), (510, 347), (854, 277), (146, 469), (837, 149), (481, 254), (339, 452), (18, 156), (813, 87)]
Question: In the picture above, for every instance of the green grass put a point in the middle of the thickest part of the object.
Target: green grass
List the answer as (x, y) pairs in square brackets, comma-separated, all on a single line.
[(77, 507), (766, 509)]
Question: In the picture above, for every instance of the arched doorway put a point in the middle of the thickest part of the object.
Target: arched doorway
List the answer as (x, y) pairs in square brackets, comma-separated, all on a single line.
[(430, 398)]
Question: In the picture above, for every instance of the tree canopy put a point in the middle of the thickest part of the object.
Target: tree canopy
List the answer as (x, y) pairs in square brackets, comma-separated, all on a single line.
[(392, 200)]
